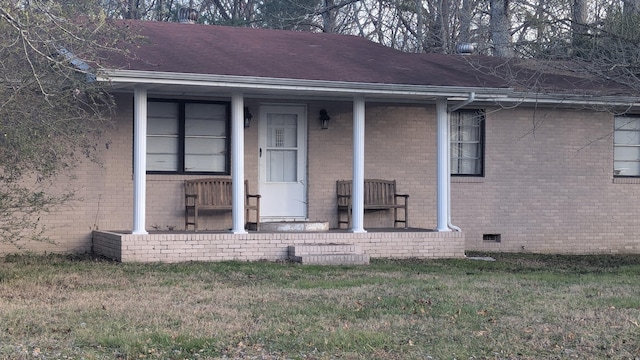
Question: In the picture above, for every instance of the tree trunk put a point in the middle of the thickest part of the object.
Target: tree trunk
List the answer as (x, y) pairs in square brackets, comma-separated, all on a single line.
[(631, 7), (464, 35), (500, 28), (419, 27), (579, 18), (133, 11), (328, 17)]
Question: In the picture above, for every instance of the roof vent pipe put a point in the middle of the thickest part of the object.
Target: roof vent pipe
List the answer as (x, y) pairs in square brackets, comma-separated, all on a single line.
[(187, 15), (465, 48)]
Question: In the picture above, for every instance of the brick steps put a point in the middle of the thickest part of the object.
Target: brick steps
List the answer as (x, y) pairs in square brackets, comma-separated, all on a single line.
[(328, 254)]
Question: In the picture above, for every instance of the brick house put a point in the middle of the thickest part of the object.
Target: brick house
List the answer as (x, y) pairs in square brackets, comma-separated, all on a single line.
[(489, 165)]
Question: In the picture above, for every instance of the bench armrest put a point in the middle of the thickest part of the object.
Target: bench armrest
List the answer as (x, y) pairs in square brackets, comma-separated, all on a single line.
[(254, 196)]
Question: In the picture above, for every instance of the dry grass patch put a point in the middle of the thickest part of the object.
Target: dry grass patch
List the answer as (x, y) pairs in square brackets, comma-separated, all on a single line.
[(519, 307)]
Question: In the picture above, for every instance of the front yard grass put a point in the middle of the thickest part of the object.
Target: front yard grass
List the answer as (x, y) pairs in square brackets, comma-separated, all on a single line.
[(521, 306)]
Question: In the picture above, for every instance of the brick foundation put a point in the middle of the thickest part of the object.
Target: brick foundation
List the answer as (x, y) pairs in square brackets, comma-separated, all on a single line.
[(179, 247)]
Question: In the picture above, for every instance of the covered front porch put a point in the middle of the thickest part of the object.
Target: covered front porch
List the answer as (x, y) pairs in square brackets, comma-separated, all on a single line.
[(444, 240), (272, 246)]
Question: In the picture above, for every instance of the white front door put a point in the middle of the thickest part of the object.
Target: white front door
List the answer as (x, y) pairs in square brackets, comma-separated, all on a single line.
[(283, 163)]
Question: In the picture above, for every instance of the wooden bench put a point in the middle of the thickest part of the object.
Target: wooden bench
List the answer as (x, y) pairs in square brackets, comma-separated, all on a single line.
[(215, 194), (378, 195)]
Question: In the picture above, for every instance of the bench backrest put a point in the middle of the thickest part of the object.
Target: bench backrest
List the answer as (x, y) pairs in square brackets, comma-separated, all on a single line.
[(217, 192), (376, 192)]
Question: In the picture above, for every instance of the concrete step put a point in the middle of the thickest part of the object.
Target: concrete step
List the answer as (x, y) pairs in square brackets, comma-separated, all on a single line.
[(332, 259), (328, 254), (324, 249), (294, 226)]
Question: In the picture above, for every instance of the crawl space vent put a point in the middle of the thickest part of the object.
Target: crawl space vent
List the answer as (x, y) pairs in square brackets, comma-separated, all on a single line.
[(491, 237)]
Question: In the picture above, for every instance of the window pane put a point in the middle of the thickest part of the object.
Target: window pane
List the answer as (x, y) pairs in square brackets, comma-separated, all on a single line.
[(205, 137), (628, 137), (627, 123), (626, 149), (469, 150), (624, 153), (205, 120), (626, 168), (163, 110), (466, 142), (467, 166), (204, 154), (161, 162), (205, 163), (205, 111), (162, 136), (204, 146), (203, 134), (469, 133), (456, 150), (162, 145)]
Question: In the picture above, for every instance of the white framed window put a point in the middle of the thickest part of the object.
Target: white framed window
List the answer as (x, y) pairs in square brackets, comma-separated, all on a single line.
[(467, 142), (626, 146), (187, 137)]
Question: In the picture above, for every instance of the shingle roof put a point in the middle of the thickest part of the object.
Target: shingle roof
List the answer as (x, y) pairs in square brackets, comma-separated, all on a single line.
[(220, 50)]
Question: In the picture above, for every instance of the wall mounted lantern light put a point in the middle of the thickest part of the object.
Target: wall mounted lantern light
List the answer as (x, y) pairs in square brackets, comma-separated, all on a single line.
[(324, 119), (247, 117)]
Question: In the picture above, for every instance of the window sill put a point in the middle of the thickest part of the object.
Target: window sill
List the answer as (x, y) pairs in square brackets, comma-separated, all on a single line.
[(180, 177), (626, 180), (467, 179)]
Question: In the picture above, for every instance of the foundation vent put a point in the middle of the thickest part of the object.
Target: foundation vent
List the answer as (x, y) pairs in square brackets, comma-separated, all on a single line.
[(491, 237)]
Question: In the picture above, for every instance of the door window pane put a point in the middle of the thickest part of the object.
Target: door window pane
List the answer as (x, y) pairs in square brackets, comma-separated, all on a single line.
[(282, 165), (282, 151)]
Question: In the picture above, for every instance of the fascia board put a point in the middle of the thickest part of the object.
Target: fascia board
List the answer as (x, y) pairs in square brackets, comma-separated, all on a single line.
[(569, 100), (134, 77), (508, 96)]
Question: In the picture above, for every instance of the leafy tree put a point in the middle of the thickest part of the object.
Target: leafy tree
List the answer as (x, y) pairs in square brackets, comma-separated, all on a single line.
[(52, 111)]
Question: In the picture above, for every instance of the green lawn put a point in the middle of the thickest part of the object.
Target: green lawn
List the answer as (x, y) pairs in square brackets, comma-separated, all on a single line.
[(518, 307)]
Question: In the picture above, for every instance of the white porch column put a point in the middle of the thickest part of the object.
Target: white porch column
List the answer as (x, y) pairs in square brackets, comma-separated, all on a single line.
[(443, 176), (357, 193), (139, 160), (237, 162)]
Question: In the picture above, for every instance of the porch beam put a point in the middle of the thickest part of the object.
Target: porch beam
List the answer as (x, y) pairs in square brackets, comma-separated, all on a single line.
[(357, 192), (443, 176), (237, 163), (139, 160)]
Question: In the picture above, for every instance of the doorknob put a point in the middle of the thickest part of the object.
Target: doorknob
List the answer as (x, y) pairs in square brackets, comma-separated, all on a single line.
[(260, 152)]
